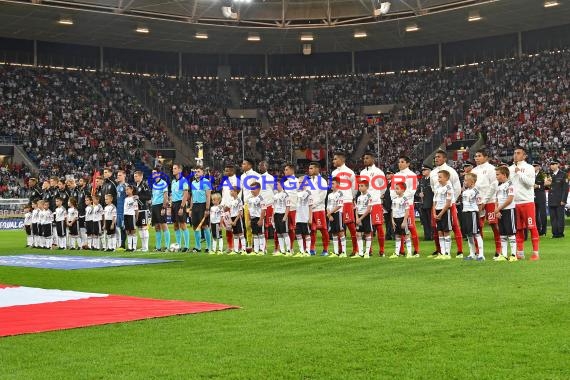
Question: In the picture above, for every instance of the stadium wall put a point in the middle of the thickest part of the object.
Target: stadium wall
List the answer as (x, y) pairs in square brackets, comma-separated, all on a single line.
[(167, 63)]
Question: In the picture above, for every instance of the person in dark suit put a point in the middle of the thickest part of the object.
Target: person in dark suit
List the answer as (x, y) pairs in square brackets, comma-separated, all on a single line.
[(557, 198), (387, 205), (426, 196), (540, 198)]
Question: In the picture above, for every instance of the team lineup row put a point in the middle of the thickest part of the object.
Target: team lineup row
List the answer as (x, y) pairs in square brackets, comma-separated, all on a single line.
[(297, 208)]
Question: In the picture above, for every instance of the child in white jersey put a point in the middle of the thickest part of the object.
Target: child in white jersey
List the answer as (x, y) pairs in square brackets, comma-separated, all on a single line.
[(472, 207), (506, 213)]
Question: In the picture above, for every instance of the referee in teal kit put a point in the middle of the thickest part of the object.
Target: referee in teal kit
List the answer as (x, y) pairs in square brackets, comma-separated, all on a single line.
[(179, 196), (200, 204), (159, 203)]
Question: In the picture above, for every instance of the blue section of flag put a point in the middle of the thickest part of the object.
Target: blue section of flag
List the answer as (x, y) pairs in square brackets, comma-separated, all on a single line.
[(73, 262)]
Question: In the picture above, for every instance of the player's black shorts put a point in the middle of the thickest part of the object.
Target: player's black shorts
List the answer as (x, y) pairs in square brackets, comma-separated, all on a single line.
[(444, 224), (336, 225), (46, 230), (36, 229), (507, 222), (74, 229), (81, 221), (143, 219), (157, 217), (255, 228), (302, 229), (129, 222), (216, 231), (398, 230), (28, 229), (281, 227), (60, 228), (179, 218), (238, 228), (108, 229), (470, 223), (197, 217), (365, 225), (96, 230)]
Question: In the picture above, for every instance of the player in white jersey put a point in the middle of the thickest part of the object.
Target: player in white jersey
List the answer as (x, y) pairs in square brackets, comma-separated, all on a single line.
[(347, 185), (256, 210), (378, 186), (98, 238), (216, 213), (282, 205), (130, 211), (506, 214), (411, 180), (303, 219), (268, 187), (401, 220), (363, 220), (236, 215), (110, 222), (229, 181), (73, 224), (28, 226), (248, 177), (36, 224), (318, 189), (335, 204), (60, 214), (290, 185), (470, 223), (440, 161), (442, 200), (523, 177), (487, 186)]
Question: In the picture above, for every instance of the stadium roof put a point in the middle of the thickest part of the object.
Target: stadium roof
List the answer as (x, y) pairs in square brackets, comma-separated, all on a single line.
[(173, 24)]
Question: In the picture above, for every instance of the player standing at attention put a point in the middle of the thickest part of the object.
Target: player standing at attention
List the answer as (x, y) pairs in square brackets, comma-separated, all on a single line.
[(442, 200), (110, 222), (487, 186), (28, 226), (363, 221), (143, 196), (158, 210), (73, 223), (60, 222), (290, 185), (35, 224), (318, 190), (230, 181), (131, 209), (347, 184), (280, 220), (89, 221), (248, 177), (335, 205), (411, 180), (256, 210), (303, 220), (216, 212), (236, 214), (505, 213), (179, 196), (268, 187), (523, 177), (200, 205), (120, 203), (470, 223), (378, 185), (440, 162), (400, 220)]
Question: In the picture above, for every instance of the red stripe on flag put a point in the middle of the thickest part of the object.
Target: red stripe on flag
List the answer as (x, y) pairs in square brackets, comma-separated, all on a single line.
[(52, 316), (7, 286)]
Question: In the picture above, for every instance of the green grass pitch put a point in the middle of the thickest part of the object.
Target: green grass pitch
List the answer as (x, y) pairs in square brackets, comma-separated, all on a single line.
[(312, 318)]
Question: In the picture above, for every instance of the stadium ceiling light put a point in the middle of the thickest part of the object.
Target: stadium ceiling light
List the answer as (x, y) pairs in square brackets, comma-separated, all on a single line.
[(65, 21), (550, 4), (202, 35), (360, 34), (412, 28), (142, 29), (254, 37), (474, 16), (307, 37)]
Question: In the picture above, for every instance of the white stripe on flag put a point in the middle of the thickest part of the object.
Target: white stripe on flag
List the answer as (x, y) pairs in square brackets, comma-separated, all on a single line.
[(19, 296)]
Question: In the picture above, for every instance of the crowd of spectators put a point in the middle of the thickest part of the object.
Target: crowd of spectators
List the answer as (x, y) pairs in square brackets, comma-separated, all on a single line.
[(13, 180)]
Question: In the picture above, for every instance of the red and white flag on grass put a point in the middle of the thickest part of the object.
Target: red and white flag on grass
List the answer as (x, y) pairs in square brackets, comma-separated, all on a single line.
[(26, 310)]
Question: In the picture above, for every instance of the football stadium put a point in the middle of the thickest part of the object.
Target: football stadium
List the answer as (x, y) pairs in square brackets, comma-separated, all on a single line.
[(284, 189)]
